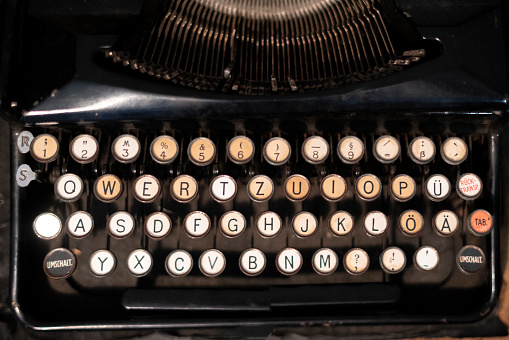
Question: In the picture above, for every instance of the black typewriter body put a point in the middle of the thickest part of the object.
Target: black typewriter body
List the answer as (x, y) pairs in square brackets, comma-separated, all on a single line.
[(456, 94)]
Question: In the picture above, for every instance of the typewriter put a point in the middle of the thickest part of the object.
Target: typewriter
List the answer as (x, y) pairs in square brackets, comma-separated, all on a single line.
[(204, 164)]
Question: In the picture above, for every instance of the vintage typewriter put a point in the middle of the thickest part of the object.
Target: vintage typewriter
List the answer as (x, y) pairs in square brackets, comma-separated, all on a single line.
[(229, 163)]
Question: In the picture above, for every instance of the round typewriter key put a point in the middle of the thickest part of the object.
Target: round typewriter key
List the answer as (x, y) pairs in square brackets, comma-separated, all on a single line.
[(223, 188), (325, 261), (289, 261), (333, 188), (277, 151), (438, 188), (44, 148), (350, 149), (341, 223), (426, 258), (184, 189), (393, 260), (368, 187), (240, 150), (304, 224), (315, 150), (102, 263), (470, 259), (212, 262), (157, 225), (68, 188), (121, 224), (59, 263), (454, 150), (146, 188), (402, 188), (356, 261), (422, 150), (164, 149), (445, 223), (375, 223), (260, 188), (179, 263), (232, 223), (269, 224), (79, 224), (108, 188), (126, 148), (197, 224), (201, 151), (84, 149), (252, 262), (139, 262), (297, 188), (480, 222), (411, 222), (386, 149), (469, 186), (47, 226)]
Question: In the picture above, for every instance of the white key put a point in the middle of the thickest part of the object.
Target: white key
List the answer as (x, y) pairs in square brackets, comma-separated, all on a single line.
[(393, 260), (386, 149), (426, 258), (454, 150), (121, 224), (325, 261), (422, 150), (269, 224), (146, 188), (212, 262), (197, 224), (304, 224), (84, 149), (350, 149), (469, 186), (341, 223), (157, 225), (79, 224), (223, 188), (47, 226), (179, 263), (356, 261), (315, 150), (289, 261), (139, 262), (126, 148), (252, 262), (232, 223), (102, 263), (69, 187), (438, 188), (277, 151), (445, 223), (375, 223)]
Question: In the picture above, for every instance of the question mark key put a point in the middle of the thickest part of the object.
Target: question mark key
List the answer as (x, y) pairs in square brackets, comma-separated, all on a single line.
[(356, 261)]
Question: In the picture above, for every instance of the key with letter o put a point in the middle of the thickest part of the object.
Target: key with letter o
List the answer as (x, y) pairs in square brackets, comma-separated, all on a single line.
[(79, 224), (201, 151), (315, 150), (304, 224), (197, 224), (108, 188), (454, 150), (121, 224), (325, 261), (350, 150), (260, 188), (297, 188), (146, 188), (252, 262), (126, 148), (212, 262), (157, 225), (184, 189), (179, 263), (386, 149), (102, 263), (368, 187), (341, 223), (403, 188), (139, 262), (84, 149), (289, 261), (356, 261), (232, 223), (44, 148), (445, 223), (277, 151), (333, 187), (240, 150), (411, 222), (164, 149), (269, 224)]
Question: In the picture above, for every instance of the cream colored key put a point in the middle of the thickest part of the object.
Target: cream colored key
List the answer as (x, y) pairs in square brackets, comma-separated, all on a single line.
[(232, 223), (223, 188), (386, 149), (356, 261), (469, 186), (184, 188), (304, 224), (252, 262), (289, 261), (44, 148), (201, 151), (126, 148), (212, 262), (79, 224), (341, 223), (333, 187), (368, 187), (325, 261), (157, 225), (454, 150), (179, 263), (277, 151), (315, 150), (350, 149), (269, 224), (139, 262), (69, 187), (240, 150), (411, 222), (445, 223), (47, 226), (403, 188), (146, 188), (197, 224), (438, 187), (102, 263), (164, 149), (422, 150), (121, 224), (108, 188), (297, 188), (84, 149), (260, 188), (375, 223), (393, 260), (426, 258)]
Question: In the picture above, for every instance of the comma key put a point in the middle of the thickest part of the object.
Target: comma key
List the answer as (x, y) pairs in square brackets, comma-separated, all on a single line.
[(108, 188), (356, 261)]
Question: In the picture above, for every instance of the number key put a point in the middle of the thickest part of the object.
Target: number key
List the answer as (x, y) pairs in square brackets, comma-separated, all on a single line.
[(164, 149), (277, 151), (240, 150)]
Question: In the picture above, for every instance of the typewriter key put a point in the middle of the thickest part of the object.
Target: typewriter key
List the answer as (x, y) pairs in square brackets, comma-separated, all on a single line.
[(297, 188), (223, 188), (68, 187), (184, 189), (277, 151), (454, 150), (422, 150), (375, 223), (47, 226), (393, 260), (121, 224), (102, 263), (438, 188), (126, 148), (146, 188), (84, 149), (315, 150), (368, 187), (469, 186), (79, 224), (341, 223), (386, 149), (252, 262), (232, 223), (445, 223), (480, 222), (333, 188), (59, 263), (350, 149), (260, 188), (356, 261), (139, 262), (179, 263), (470, 259), (289, 261), (402, 188), (304, 224), (269, 224), (411, 222), (240, 150), (157, 225), (325, 261), (197, 224), (201, 151), (164, 149), (108, 188), (44, 148), (426, 258), (212, 262)]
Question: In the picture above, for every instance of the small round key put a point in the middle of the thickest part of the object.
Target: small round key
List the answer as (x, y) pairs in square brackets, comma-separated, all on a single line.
[(179, 263), (445, 223), (350, 150), (454, 150), (126, 148), (480, 222), (252, 262), (84, 149), (240, 150), (164, 149), (333, 188), (121, 224), (368, 187), (59, 263), (68, 187), (325, 261), (197, 224), (232, 223), (356, 261), (289, 261), (422, 150), (297, 188), (341, 223), (223, 188), (157, 225), (201, 151), (108, 188), (315, 150), (403, 188), (212, 262), (102, 263), (184, 189), (79, 224), (269, 224), (277, 151), (304, 224), (146, 188), (139, 262), (426, 258), (393, 260), (470, 259), (47, 226), (375, 223), (469, 186), (386, 149), (44, 148), (260, 188), (438, 188), (411, 222)]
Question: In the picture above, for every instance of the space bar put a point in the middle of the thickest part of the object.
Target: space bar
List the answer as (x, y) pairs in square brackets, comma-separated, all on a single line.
[(258, 300)]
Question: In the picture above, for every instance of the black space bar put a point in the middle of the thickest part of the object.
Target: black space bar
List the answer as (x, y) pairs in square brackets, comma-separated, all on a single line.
[(259, 300)]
